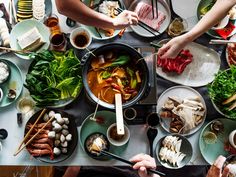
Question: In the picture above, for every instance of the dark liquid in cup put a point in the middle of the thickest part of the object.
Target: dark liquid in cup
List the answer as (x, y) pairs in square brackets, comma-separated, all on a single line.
[(81, 40), (234, 138), (57, 39), (129, 113), (153, 120)]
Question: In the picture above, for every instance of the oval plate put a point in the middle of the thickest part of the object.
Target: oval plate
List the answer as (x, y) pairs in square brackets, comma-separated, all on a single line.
[(212, 33), (211, 151), (71, 145), (181, 92), (89, 126), (22, 28), (14, 81), (94, 31), (163, 7), (200, 72)]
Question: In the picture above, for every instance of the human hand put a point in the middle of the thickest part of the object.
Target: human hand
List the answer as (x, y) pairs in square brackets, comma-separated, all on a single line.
[(142, 162), (172, 48), (216, 168), (125, 19)]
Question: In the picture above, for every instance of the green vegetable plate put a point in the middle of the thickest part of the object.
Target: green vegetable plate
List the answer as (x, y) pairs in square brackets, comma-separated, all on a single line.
[(15, 82), (89, 127), (24, 26), (95, 32), (211, 150), (204, 6)]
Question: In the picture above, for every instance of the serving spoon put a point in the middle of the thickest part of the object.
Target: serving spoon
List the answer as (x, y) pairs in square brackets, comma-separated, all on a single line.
[(151, 134)]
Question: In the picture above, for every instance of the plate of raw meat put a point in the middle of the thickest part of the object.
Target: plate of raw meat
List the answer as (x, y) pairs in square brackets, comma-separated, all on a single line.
[(231, 52), (144, 10), (195, 66)]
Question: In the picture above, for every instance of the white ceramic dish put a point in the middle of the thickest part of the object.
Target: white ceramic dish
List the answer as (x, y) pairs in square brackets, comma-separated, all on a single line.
[(233, 38), (77, 31), (181, 92), (222, 23), (163, 7), (200, 72)]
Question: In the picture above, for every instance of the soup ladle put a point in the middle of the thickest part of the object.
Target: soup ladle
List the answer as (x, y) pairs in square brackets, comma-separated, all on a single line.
[(151, 134)]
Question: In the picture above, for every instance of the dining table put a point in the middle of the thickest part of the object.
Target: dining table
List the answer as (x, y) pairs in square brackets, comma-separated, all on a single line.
[(138, 142)]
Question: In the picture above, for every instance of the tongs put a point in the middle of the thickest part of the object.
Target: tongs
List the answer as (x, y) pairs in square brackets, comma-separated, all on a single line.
[(154, 8)]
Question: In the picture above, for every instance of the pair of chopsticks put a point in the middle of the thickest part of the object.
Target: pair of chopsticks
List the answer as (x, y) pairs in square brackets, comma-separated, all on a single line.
[(218, 41), (16, 51), (21, 147), (12, 12), (128, 162), (154, 7), (143, 25)]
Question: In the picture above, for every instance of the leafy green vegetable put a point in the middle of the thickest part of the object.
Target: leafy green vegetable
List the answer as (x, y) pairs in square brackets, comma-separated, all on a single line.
[(106, 74), (208, 7), (54, 76), (223, 87), (121, 60), (133, 81)]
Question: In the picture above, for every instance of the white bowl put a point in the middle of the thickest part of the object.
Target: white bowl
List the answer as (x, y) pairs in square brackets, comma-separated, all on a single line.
[(77, 31), (121, 141), (222, 23), (231, 138), (1, 94)]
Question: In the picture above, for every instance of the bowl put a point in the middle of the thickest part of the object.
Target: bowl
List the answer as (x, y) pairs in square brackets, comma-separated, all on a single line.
[(231, 160), (24, 26), (222, 23), (1, 94), (80, 38), (232, 139), (4, 68), (114, 138), (186, 148), (134, 55)]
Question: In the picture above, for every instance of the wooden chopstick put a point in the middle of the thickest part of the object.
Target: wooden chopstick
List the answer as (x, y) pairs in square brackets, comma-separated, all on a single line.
[(32, 138), (28, 133), (128, 162), (16, 51), (121, 32), (219, 41), (153, 13)]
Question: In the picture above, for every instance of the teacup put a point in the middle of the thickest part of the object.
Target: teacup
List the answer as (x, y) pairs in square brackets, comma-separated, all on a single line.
[(80, 38)]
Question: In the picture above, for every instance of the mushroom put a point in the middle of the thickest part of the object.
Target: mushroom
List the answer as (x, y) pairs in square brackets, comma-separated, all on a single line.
[(11, 94), (64, 144), (69, 137), (64, 150), (46, 117), (56, 151), (65, 132), (57, 127), (59, 119), (51, 134), (62, 138), (64, 126), (51, 114), (57, 143), (66, 120)]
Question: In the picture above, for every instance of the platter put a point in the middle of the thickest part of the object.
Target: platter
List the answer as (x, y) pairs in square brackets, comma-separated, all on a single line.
[(15, 81), (72, 128), (22, 28), (212, 33), (182, 92), (211, 151), (94, 31), (201, 71), (163, 7), (89, 127), (230, 62)]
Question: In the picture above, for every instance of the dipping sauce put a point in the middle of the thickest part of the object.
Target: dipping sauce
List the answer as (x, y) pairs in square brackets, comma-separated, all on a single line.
[(114, 135), (176, 27), (58, 42), (81, 40)]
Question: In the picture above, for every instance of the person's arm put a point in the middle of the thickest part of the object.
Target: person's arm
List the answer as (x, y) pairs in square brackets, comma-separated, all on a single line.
[(216, 168), (78, 11), (72, 171), (142, 162), (217, 12)]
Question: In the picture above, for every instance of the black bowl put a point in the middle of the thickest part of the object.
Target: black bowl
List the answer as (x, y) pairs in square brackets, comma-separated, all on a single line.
[(134, 55)]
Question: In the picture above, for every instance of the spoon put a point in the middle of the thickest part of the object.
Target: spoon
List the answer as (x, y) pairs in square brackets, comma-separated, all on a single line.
[(151, 134), (3, 134)]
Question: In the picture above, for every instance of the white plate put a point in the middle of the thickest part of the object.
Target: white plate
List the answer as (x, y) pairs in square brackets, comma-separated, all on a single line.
[(200, 72), (233, 38), (23, 27), (163, 7), (181, 92)]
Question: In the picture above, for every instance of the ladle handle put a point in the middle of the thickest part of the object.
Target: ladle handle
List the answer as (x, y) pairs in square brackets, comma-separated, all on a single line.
[(151, 148)]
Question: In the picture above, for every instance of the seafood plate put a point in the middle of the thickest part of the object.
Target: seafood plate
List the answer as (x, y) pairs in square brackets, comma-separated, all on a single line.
[(57, 141)]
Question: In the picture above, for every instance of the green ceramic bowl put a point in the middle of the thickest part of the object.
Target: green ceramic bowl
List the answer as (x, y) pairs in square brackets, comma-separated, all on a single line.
[(22, 28), (89, 127)]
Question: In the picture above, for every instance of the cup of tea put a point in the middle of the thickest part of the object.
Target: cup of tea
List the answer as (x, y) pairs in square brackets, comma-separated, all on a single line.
[(80, 38), (130, 113), (52, 22), (152, 120), (58, 42)]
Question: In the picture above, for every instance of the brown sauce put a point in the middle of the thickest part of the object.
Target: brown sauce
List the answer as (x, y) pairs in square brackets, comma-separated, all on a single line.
[(114, 135), (57, 39), (234, 138), (81, 40)]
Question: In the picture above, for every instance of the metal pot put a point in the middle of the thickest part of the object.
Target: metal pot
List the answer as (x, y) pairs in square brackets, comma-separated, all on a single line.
[(134, 54)]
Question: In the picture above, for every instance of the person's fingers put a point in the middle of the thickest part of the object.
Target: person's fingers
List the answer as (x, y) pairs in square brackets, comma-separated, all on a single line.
[(140, 157), (170, 53), (142, 172), (225, 171), (134, 14), (162, 50), (219, 162), (144, 163), (133, 20)]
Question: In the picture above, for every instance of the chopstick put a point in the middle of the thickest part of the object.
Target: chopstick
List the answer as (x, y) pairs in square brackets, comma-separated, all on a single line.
[(156, 8), (121, 32), (14, 10), (143, 25), (28, 133), (153, 11), (155, 45), (17, 51), (98, 32), (219, 41), (128, 162), (32, 138)]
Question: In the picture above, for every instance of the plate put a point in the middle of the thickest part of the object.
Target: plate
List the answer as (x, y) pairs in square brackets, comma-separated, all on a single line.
[(211, 151), (71, 145), (15, 80), (94, 31), (233, 38), (181, 92), (200, 72), (186, 148), (89, 126), (22, 28), (212, 33), (163, 7)]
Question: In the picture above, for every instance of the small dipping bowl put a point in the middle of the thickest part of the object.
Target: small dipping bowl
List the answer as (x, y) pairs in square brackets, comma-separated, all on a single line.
[(114, 138), (88, 142), (232, 161), (1, 94), (26, 105), (232, 139), (80, 38), (4, 67)]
